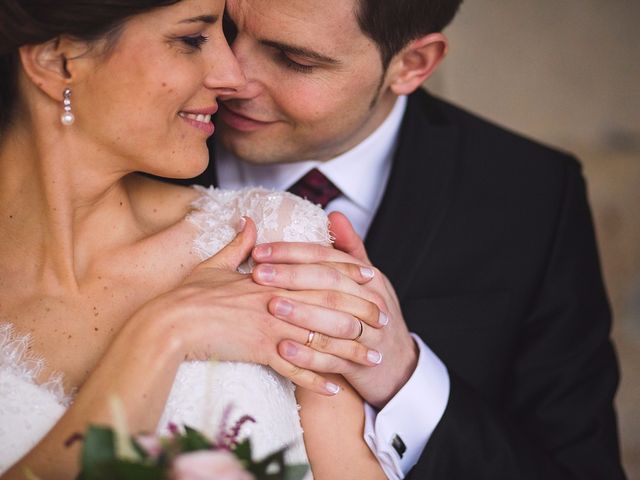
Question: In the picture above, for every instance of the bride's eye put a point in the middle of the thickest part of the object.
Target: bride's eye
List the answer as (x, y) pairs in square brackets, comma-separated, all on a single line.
[(194, 41)]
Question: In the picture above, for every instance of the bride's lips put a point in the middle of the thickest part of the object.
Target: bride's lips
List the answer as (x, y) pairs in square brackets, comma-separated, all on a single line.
[(240, 122), (200, 118)]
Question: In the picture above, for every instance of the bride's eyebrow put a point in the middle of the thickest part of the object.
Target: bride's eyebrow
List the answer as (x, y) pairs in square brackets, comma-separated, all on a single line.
[(208, 19)]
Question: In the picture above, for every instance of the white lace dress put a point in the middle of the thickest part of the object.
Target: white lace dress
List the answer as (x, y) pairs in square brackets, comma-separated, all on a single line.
[(202, 391)]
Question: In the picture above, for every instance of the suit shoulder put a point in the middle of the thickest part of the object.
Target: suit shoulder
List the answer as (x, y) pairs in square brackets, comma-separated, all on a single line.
[(483, 138)]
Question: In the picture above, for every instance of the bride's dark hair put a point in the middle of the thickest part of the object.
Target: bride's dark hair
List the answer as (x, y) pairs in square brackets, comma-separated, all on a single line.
[(25, 22)]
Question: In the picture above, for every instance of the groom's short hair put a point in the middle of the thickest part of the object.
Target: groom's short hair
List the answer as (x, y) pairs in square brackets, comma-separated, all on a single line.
[(392, 24)]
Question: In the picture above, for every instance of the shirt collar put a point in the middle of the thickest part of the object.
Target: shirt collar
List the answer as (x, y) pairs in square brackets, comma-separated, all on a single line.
[(370, 159)]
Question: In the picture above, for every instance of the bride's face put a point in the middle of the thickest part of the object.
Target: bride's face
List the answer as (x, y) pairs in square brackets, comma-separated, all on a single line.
[(148, 101)]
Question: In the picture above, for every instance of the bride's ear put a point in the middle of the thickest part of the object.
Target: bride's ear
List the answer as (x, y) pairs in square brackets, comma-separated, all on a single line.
[(53, 65), (416, 62)]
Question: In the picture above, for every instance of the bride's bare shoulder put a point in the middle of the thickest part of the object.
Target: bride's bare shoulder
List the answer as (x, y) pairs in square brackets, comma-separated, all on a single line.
[(160, 203)]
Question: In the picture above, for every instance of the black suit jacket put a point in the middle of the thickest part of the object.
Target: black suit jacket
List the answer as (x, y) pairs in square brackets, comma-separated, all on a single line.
[(488, 239)]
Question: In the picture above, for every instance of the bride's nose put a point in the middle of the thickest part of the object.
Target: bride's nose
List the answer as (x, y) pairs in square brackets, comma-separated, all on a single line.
[(224, 73)]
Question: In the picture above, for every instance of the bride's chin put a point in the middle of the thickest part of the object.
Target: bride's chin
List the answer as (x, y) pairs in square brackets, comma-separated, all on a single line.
[(188, 170)]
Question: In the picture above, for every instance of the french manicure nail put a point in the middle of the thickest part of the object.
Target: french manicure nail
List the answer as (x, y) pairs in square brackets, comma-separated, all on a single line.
[(241, 224), (367, 273), (283, 308), (374, 357), (266, 273), (383, 319), (332, 388), (262, 251)]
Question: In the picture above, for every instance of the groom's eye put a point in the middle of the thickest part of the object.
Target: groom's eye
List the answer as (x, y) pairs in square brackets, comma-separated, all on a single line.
[(229, 29), (285, 60)]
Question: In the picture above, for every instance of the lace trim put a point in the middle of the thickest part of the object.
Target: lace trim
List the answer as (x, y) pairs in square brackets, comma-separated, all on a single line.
[(16, 359), (278, 216)]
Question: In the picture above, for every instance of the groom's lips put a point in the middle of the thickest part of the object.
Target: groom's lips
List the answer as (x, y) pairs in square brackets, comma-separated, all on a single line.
[(239, 122)]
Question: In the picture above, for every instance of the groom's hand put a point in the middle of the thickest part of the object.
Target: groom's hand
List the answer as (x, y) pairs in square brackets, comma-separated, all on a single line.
[(381, 360)]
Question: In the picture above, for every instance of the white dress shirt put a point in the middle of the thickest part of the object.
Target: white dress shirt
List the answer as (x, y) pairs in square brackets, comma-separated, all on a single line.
[(361, 174)]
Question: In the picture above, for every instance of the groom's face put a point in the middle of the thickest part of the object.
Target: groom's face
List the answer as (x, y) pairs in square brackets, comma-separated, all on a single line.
[(315, 83)]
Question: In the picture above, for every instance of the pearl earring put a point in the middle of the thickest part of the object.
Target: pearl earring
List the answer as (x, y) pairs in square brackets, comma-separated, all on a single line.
[(67, 118)]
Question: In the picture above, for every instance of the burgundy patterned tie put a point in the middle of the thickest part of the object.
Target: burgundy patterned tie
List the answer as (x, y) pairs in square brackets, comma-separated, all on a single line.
[(316, 188)]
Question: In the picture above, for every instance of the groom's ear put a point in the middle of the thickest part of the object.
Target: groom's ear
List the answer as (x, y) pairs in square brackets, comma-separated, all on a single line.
[(53, 65), (415, 63)]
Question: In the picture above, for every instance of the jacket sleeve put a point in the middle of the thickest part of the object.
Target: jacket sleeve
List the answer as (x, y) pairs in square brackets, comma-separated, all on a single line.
[(556, 419)]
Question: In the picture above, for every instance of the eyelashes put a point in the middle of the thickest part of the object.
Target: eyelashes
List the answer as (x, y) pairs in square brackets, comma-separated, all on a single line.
[(295, 66), (194, 42)]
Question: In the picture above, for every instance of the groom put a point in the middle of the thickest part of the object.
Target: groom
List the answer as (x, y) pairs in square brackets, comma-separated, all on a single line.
[(485, 237)]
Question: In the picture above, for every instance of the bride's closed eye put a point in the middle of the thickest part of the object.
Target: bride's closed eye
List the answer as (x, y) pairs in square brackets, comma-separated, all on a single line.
[(194, 42)]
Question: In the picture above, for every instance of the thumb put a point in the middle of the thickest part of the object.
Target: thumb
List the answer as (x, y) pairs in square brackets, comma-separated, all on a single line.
[(236, 251), (346, 238)]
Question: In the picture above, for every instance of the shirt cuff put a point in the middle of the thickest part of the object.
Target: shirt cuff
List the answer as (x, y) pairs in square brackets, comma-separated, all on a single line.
[(398, 434)]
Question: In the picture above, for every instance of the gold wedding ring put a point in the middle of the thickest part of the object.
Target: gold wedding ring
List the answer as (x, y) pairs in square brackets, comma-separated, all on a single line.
[(361, 330), (310, 338)]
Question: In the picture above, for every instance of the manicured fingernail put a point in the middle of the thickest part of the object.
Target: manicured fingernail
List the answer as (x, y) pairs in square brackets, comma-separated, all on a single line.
[(241, 224), (266, 273), (290, 349), (332, 388), (262, 252), (383, 319), (374, 357), (367, 273), (283, 308)]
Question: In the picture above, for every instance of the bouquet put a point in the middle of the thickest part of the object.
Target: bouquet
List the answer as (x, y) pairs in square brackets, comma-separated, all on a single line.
[(185, 454)]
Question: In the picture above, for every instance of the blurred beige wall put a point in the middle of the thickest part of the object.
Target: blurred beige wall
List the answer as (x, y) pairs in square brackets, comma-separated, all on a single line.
[(568, 73)]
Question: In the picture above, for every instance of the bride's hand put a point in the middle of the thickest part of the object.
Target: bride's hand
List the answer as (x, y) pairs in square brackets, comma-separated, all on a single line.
[(220, 314)]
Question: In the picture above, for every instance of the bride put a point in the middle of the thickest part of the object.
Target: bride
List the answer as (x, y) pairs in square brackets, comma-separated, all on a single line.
[(103, 288)]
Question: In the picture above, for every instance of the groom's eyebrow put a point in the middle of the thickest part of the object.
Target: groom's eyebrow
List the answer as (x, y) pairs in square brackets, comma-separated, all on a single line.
[(209, 19), (301, 52)]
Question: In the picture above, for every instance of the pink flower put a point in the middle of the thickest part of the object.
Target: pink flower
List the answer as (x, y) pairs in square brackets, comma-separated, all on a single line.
[(209, 465), (150, 444)]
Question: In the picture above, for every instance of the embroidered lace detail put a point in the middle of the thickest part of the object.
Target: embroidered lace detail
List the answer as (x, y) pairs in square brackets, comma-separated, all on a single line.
[(16, 359), (279, 216), (27, 410)]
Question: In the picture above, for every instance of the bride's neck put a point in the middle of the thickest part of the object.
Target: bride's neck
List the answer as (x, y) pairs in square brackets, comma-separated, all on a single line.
[(58, 208)]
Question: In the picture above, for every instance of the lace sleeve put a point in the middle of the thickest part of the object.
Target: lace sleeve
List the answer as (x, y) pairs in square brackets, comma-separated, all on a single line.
[(279, 216)]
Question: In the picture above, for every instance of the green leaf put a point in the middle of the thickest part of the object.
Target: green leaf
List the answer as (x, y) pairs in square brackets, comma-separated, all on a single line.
[(192, 440), (97, 447), (242, 451), (261, 468), (295, 472), (134, 471)]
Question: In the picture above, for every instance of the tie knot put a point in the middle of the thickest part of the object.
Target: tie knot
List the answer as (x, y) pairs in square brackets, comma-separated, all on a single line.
[(316, 188)]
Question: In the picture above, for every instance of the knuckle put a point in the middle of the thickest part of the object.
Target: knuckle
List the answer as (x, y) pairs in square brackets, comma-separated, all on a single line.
[(338, 365), (322, 342), (331, 300), (334, 276), (377, 299), (293, 372), (318, 383), (346, 328), (372, 313), (357, 351), (319, 252)]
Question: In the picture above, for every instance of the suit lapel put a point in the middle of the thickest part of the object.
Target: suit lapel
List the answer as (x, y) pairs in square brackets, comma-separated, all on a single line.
[(417, 194)]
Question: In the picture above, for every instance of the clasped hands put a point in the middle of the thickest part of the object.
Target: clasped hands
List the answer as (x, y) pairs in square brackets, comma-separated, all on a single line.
[(348, 308), (295, 289)]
